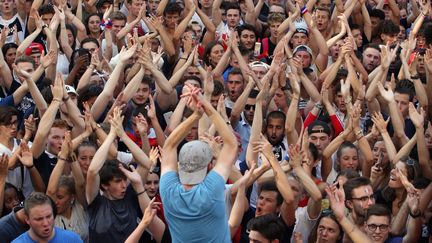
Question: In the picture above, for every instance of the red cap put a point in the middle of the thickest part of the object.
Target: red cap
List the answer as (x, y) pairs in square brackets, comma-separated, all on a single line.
[(34, 48)]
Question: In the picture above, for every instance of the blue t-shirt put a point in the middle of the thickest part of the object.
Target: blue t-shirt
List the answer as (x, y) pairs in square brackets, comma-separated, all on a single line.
[(60, 236), (198, 214)]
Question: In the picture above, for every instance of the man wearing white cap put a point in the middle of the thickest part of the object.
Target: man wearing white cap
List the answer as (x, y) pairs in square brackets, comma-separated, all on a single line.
[(194, 203)]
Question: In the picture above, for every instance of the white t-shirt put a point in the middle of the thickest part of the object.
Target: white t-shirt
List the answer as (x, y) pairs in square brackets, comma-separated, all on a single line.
[(304, 224), (15, 176), (14, 21)]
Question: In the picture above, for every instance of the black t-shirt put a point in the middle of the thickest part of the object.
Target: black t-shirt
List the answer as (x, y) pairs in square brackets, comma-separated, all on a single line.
[(10, 227), (45, 165), (113, 220)]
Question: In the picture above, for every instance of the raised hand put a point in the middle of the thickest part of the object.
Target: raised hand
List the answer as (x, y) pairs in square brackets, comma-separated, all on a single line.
[(428, 60), (58, 88), (22, 75), (336, 196), (345, 87), (154, 155), (151, 108), (30, 126), (263, 146), (416, 117), (294, 82), (386, 94), (215, 143), (66, 148), (379, 122), (194, 98), (150, 212), (131, 173), (50, 58), (295, 156), (4, 160), (116, 122), (413, 200), (125, 55), (141, 124), (208, 82)]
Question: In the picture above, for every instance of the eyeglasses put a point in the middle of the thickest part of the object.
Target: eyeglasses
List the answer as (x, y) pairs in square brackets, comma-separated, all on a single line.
[(248, 107), (381, 227), (365, 199)]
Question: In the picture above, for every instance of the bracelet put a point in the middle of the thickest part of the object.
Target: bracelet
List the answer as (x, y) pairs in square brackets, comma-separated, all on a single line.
[(303, 10), (141, 192), (415, 215), (184, 58), (198, 65), (56, 99), (30, 167), (318, 106), (44, 26)]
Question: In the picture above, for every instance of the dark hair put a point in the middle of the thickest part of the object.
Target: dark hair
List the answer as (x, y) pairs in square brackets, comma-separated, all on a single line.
[(195, 78), (271, 186), (8, 46), (86, 143), (372, 45), (428, 34), (405, 86), (377, 13), (270, 226), (37, 199), (173, 8), (18, 193), (218, 88), (344, 145), (327, 213), (253, 94), (231, 5), (349, 174), (235, 71), (243, 27), (74, 34), (352, 184), (68, 183), (208, 50), (6, 114), (378, 210), (75, 54), (109, 171), (389, 28), (314, 151), (86, 23), (89, 91), (46, 9), (88, 40), (276, 115)]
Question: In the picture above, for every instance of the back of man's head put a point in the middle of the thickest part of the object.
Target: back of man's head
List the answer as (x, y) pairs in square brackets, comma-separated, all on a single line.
[(269, 226)]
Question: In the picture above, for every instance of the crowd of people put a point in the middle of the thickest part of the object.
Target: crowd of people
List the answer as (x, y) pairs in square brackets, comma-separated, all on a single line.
[(215, 121)]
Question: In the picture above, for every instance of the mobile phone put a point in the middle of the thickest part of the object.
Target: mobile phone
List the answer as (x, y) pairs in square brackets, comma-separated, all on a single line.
[(257, 49)]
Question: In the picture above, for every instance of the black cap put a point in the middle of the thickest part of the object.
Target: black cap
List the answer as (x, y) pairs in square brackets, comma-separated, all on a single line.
[(318, 127)]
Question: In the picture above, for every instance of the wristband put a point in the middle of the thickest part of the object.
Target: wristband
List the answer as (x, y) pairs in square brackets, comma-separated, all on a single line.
[(415, 215), (303, 10), (184, 58), (30, 167), (60, 158), (318, 106), (141, 192)]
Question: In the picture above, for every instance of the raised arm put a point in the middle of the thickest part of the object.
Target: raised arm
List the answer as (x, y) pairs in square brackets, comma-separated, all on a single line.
[(180, 29), (107, 93), (418, 119), (93, 179), (48, 119)]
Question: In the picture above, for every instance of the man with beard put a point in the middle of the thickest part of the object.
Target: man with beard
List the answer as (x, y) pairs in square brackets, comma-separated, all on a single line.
[(371, 57), (359, 197), (275, 133)]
